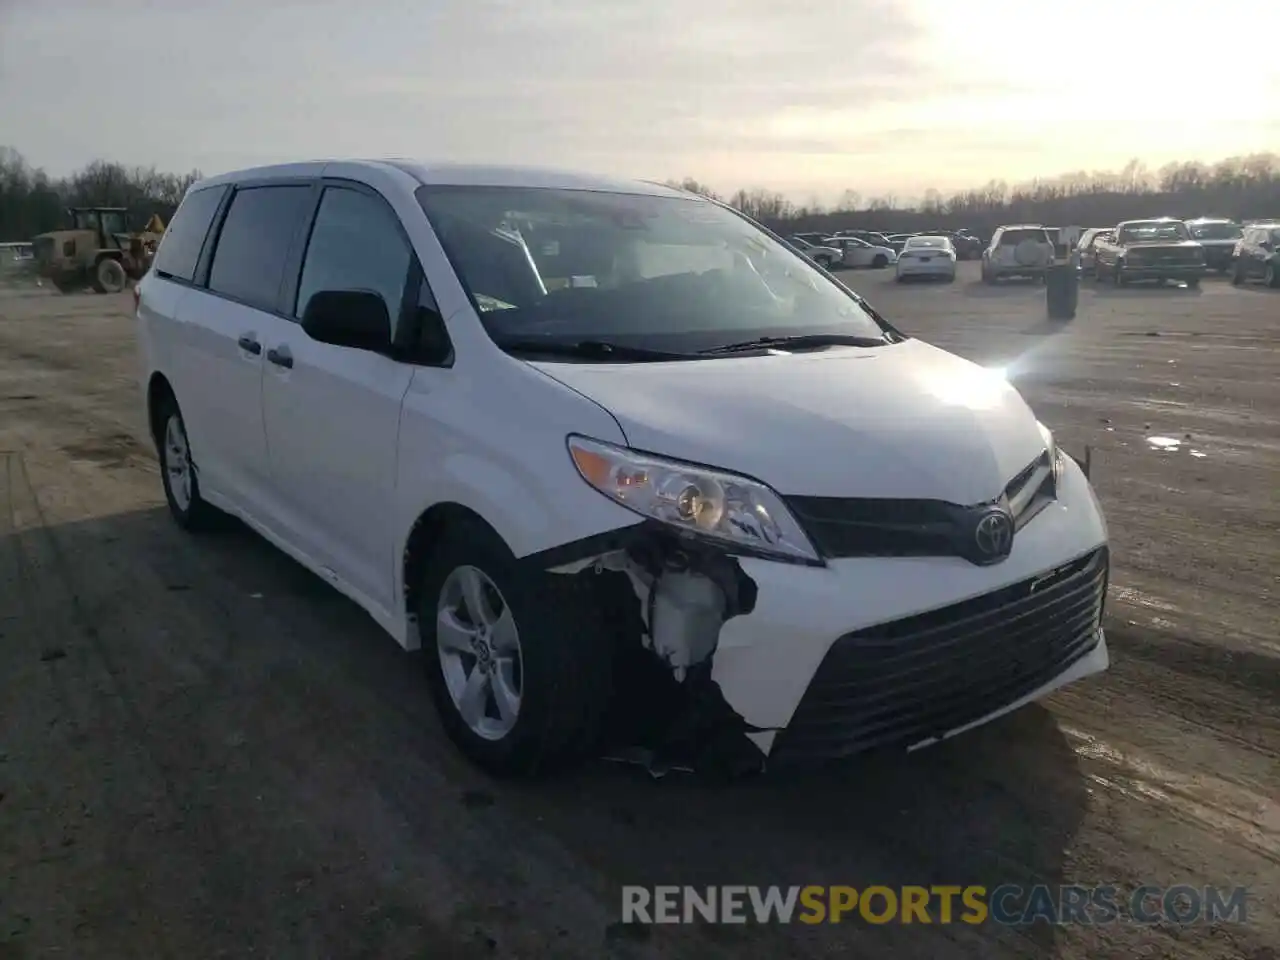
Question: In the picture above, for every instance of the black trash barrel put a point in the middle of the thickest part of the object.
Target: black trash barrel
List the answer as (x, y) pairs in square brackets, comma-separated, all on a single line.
[(1062, 291)]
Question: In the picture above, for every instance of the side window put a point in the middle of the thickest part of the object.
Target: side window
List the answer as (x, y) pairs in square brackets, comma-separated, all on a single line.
[(356, 244), (248, 263), (180, 248)]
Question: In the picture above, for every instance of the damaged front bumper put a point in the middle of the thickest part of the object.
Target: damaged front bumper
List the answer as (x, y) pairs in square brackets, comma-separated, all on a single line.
[(797, 663)]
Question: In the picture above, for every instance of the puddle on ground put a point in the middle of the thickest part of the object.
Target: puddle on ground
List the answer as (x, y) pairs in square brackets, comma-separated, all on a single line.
[(1173, 445)]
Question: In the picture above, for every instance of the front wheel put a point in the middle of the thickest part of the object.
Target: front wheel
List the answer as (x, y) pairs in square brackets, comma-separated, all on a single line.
[(1271, 276), (1193, 283), (518, 660), (880, 261), (1237, 274), (823, 262), (109, 276)]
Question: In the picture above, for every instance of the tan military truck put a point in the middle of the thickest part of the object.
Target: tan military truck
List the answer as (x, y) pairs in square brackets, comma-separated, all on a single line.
[(97, 251)]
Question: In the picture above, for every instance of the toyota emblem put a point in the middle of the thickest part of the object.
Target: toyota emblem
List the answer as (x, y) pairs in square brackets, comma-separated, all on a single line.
[(993, 536)]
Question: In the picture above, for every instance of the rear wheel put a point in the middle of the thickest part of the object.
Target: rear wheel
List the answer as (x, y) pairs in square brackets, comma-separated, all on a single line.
[(178, 472), (518, 661), (109, 276)]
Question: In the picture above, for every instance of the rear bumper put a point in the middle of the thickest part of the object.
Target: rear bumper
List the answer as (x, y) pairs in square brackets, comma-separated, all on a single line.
[(1163, 271), (933, 268)]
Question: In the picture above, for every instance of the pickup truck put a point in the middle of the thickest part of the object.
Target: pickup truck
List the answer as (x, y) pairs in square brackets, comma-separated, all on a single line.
[(1160, 249)]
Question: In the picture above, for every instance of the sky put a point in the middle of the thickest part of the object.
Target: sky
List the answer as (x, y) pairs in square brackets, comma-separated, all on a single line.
[(804, 97)]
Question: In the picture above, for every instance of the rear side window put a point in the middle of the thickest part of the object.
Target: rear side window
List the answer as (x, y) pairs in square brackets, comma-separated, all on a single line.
[(180, 249), (254, 243), (1011, 238), (356, 244)]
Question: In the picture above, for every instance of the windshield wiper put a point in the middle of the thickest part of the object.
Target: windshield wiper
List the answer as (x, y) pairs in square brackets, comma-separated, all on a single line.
[(590, 350), (800, 342)]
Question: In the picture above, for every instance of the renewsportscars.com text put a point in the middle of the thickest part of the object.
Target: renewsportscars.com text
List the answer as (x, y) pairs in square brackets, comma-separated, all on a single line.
[(1009, 904)]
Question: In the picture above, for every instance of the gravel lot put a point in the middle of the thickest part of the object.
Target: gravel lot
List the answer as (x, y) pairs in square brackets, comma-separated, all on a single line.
[(206, 752)]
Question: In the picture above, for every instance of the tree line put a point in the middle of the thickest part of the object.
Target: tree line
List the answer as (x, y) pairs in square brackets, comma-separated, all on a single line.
[(1241, 188), (32, 202)]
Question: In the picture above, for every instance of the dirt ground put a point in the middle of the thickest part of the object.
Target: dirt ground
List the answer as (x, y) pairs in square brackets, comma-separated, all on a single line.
[(206, 752)]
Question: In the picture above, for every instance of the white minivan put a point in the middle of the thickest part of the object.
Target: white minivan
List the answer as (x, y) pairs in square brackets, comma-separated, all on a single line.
[(623, 464)]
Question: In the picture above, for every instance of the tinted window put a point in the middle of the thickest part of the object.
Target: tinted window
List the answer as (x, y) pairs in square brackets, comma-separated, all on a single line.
[(180, 249), (355, 244), (249, 260), (1215, 231), (1011, 238)]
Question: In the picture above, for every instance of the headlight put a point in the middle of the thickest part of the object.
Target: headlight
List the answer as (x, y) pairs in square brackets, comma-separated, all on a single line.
[(1055, 454), (736, 511)]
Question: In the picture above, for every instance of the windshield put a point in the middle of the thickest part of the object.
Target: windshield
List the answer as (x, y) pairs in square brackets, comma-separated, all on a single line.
[(662, 273), (1275, 235), (1215, 231), (940, 243), (1151, 231)]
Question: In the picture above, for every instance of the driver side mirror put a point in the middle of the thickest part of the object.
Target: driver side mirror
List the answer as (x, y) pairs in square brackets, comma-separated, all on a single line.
[(348, 318)]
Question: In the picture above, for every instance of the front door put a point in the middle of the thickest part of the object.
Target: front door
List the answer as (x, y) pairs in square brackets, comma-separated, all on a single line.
[(332, 413)]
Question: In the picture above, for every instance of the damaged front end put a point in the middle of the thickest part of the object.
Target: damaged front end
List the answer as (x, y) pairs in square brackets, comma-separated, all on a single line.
[(665, 597)]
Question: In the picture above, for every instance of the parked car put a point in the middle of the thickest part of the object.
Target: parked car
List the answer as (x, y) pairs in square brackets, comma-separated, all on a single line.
[(1158, 250), (502, 410), (1257, 255), (1218, 236), (1084, 254), (1017, 250), (859, 253), (867, 236), (821, 253), (898, 240), (927, 257)]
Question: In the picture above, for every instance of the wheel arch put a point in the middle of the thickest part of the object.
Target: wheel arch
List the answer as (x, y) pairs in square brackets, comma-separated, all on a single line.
[(158, 390), (424, 535)]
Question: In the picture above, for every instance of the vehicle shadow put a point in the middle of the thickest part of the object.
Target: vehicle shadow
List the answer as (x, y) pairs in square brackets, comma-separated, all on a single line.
[(1005, 288), (245, 670)]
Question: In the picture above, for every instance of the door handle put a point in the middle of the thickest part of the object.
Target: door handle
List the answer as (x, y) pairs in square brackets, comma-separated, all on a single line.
[(250, 344), (281, 358)]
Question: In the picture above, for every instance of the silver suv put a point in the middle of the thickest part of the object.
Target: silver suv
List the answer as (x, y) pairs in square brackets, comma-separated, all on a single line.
[(1019, 250)]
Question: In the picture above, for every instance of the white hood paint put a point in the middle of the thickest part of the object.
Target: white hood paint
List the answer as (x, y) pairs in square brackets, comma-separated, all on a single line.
[(907, 420)]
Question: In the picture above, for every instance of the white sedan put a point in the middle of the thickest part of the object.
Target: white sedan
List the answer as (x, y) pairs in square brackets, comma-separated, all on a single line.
[(927, 257), (859, 253)]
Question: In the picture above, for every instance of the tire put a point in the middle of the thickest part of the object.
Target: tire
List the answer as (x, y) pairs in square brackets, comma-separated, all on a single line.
[(559, 667), (1193, 283), (109, 276), (178, 473), (880, 261), (1237, 274), (823, 262), (1117, 276), (950, 278), (1099, 274), (1271, 277)]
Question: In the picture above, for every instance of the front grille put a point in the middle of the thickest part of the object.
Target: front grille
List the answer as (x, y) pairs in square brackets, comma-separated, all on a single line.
[(910, 680), (882, 527)]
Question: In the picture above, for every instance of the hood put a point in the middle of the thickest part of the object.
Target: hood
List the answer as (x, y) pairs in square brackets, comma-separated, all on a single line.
[(902, 421)]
